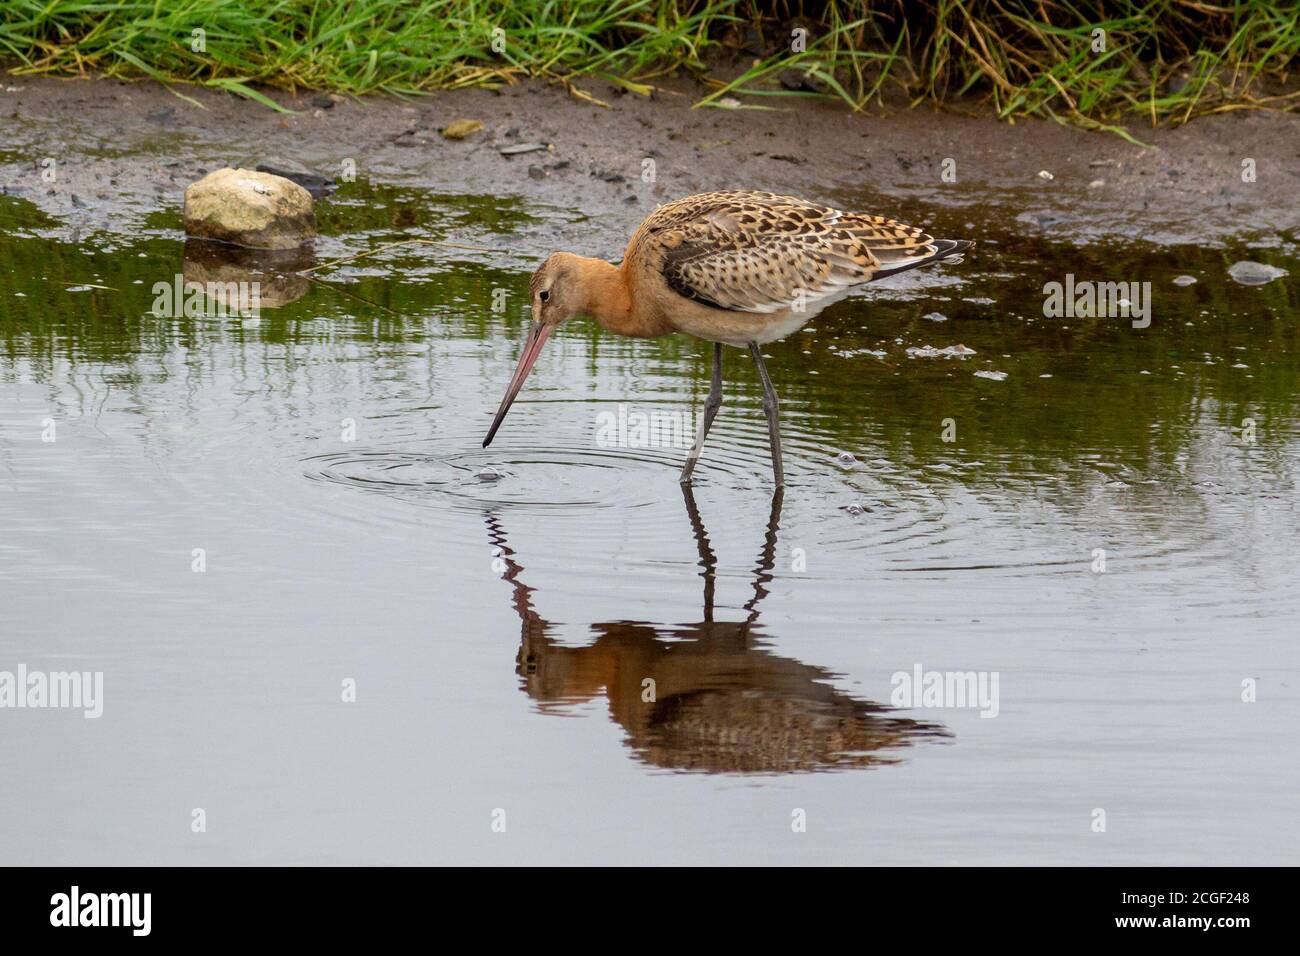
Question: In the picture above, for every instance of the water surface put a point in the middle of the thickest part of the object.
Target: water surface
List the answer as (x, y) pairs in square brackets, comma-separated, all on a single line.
[(501, 610)]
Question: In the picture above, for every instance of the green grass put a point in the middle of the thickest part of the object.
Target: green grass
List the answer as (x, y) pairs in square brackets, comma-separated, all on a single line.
[(1164, 61)]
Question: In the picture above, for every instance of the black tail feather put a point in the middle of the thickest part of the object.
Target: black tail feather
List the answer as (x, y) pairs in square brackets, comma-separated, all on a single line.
[(943, 249)]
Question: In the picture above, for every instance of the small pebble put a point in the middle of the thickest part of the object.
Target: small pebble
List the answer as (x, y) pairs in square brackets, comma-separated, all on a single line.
[(1184, 280), (459, 129), (1254, 273), (516, 148), (929, 351)]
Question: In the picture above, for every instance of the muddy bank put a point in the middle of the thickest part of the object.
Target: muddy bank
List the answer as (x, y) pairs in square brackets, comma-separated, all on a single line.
[(123, 152)]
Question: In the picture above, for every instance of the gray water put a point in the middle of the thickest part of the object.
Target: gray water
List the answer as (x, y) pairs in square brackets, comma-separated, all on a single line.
[(206, 531)]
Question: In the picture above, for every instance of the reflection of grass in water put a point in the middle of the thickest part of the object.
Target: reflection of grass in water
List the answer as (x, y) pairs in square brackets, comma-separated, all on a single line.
[(1097, 401), (170, 219), (1160, 60), (368, 206), (17, 215)]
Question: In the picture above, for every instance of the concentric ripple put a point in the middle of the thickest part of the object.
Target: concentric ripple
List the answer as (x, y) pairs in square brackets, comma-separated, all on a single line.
[(539, 478)]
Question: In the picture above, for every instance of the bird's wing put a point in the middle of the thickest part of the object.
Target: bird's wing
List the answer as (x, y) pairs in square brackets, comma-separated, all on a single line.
[(759, 252)]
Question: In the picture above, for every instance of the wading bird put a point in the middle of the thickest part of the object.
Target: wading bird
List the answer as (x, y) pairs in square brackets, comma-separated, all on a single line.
[(735, 268)]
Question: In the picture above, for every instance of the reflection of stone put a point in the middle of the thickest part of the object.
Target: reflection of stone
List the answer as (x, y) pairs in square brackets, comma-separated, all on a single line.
[(708, 696), (250, 209), (232, 275)]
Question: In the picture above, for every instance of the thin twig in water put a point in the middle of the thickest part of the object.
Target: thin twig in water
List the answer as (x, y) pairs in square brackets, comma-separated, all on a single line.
[(352, 295)]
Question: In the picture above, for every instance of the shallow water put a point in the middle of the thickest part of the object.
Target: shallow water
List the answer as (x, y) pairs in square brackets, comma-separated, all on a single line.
[(501, 609)]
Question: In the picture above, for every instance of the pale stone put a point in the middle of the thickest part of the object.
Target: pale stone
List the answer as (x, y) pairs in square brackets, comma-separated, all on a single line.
[(251, 209)]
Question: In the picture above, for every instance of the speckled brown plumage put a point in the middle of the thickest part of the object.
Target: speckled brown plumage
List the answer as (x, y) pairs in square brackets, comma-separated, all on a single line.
[(733, 267), (757, 252)]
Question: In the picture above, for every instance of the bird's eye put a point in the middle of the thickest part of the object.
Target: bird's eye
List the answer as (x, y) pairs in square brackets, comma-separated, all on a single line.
[(544, 295)]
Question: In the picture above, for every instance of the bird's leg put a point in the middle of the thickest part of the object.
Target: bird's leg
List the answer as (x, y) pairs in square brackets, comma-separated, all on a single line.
[(711, 406), (771, 406)]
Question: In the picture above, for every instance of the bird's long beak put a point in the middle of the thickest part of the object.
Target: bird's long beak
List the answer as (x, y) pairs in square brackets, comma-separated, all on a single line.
[(532, 348)]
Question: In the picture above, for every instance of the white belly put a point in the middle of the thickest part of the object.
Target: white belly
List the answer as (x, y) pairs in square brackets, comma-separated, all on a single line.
[(741, 328)]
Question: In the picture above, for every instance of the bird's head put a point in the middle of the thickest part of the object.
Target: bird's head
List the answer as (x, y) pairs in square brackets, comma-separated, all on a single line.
[(556, 289)]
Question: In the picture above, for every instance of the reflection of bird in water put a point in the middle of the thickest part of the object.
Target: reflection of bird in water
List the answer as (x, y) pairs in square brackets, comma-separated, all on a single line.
[(707, 696)]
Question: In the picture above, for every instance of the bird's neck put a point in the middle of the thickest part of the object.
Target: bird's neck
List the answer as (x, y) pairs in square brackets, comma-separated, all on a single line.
[(608, 300)]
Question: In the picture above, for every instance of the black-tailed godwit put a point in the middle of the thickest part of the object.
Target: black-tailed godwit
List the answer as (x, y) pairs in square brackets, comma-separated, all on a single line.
[(735, 268)]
